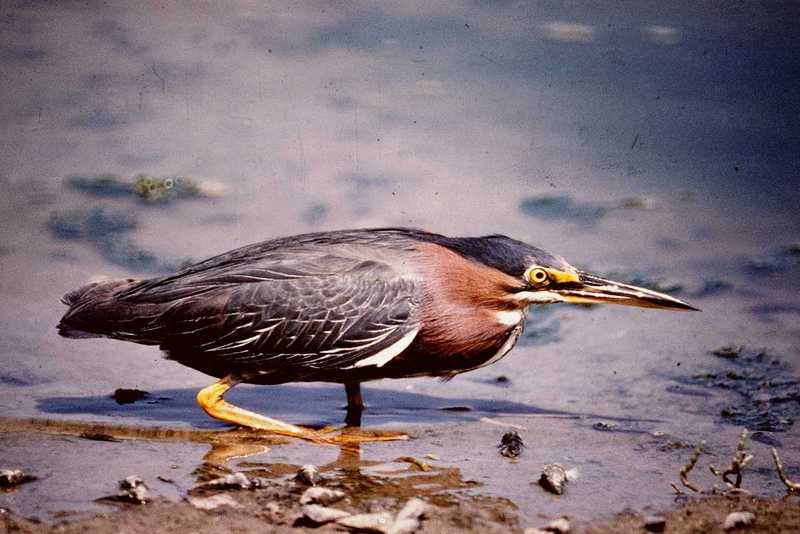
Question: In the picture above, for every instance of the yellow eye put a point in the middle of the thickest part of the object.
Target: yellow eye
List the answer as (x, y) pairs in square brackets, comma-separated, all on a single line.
[(538, 276)]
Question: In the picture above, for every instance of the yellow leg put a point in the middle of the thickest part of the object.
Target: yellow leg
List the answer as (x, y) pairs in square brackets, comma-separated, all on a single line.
[(211, 400)]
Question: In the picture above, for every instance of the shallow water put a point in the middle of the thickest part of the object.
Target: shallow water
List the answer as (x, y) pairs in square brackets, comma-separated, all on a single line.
[(655, 142)]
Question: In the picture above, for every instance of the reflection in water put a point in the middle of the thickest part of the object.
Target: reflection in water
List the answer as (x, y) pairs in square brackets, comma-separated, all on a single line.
[(361, 479)]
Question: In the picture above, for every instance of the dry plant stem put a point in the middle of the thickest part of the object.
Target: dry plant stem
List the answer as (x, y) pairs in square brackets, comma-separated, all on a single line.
[(792, 487), (690, 465), (740, 459)]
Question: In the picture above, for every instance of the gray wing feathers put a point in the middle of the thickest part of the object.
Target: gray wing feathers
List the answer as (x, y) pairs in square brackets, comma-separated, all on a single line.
[(287, 317)]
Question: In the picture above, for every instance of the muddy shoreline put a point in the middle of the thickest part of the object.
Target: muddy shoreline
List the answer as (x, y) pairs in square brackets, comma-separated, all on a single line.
[(274, 496)]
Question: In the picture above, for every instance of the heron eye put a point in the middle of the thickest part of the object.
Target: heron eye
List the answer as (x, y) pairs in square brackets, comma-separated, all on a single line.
[(538, 277)]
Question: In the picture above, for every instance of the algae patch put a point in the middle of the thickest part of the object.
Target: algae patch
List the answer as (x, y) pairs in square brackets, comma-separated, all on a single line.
[(767, 393)]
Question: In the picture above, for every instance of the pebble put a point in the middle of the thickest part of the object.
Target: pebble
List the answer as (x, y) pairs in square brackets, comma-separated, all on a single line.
[(553, 478), (559, 526), (308, 475), (321, 514), (380, 522), (655, 523), (604, 426), (409, 518), (213, 502), (323, 496), (133, 489), (511, 444), (14, 477), (738, 519), (235, 481)]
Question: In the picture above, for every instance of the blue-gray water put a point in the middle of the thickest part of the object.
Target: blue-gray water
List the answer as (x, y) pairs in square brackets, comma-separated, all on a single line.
[(656, 142)]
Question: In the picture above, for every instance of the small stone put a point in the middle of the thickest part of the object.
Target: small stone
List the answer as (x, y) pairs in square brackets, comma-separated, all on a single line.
[(379, 522), (604, 426), (308, 475), (129, 396), (511, 444), (321, 514), (409, 517), (655, 523), (213, 502), (736, 520), (553, 478), (238, 481), (132, 489), (323, 496), (14, 477), (559, 526)]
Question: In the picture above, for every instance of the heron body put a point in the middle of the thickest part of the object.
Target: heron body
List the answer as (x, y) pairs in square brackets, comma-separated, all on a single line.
[(346, 306)]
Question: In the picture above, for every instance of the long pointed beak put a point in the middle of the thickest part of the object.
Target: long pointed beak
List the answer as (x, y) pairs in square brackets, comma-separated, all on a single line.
[(592, 289)]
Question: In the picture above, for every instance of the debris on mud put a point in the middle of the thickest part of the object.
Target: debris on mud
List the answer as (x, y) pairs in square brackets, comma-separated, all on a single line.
[(380, 522), (410, 516), (655, 523), (406, 521), (558, 526), (11, 478), (132, 489), (234, 481), (319, 515), (736, 520), (511, 444), (129, 396), (323, 496), (708, 514), (687, 468), (308, 475), (740, 459), (213, 502), (501, 380), (553, 478), (791, 487)]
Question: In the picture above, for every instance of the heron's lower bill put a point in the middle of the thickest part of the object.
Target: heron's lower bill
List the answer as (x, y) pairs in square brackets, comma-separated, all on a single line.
[(593, 289)]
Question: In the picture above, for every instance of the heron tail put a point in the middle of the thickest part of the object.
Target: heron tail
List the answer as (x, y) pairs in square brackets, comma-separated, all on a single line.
[(93, 309)]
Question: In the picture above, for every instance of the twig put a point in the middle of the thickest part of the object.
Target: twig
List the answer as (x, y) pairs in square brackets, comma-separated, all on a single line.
[(792, 487), (690, 465), (740, 459)]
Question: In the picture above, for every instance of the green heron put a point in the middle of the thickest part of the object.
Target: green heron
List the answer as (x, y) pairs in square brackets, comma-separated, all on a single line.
[(345, 307)]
